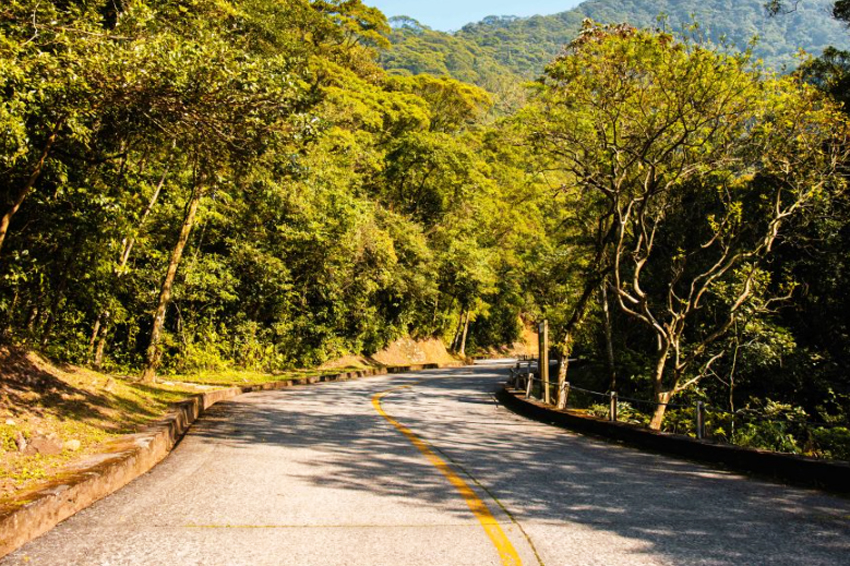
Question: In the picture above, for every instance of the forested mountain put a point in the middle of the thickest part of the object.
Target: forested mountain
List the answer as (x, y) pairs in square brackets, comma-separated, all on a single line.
[(487, 51)]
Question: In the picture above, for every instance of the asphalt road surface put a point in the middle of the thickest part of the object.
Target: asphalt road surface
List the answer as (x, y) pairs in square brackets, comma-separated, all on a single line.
[(426, 469)]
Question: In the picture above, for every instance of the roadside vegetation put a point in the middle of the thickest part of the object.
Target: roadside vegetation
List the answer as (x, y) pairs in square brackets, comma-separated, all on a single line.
[(51, 415), (217, 192), (206, 185)]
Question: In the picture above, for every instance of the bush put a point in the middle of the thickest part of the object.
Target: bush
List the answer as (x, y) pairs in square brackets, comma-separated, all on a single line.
[(832, 442), (625, 413), (767, 435)]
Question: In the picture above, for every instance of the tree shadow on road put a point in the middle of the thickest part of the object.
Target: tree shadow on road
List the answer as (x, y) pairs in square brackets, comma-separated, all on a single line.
[(675, 509)]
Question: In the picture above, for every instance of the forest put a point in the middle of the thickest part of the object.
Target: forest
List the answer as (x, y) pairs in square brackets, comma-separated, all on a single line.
[(204, 184)]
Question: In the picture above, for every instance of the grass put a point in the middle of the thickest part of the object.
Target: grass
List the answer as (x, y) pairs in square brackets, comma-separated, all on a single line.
[(69, 403), (234, 378), (38, 399)]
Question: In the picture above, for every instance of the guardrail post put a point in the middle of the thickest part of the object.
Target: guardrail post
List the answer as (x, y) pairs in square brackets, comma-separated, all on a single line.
[(529, 383), (612, 413), (566, 394), (700, 420), (515, 373), (543, 360)]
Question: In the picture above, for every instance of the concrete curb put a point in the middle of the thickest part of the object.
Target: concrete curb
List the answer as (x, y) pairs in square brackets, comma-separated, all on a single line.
[(830, 476), (133, 455)]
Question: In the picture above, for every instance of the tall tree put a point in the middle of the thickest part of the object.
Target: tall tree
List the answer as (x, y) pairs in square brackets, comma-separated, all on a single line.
[(660, 129)]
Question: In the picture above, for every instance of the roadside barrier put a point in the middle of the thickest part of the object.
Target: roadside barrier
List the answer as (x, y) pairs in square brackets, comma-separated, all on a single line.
[(828, 475), (705, 422)]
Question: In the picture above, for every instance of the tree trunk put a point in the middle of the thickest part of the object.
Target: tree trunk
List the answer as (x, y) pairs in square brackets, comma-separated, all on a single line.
[(32, 318), (465, 332), (22, 194), (593, 279), (458, 332), (563, 368), (574, 323), (94, 334), (658, 417), (129, 242), (732, 378), (153, 353), (436, 312), (661, 397), (102, 324), (101, 344), (609, 338)]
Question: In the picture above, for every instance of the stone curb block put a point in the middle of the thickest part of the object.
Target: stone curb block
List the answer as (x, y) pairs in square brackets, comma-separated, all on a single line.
[(800, 470), (130, 456)]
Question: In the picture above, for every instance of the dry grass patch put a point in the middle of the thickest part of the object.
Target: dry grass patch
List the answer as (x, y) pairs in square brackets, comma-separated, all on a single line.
[(237, 378), (50, 415)]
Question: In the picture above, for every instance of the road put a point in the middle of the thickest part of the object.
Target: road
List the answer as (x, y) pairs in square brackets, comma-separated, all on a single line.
[(426, 469)]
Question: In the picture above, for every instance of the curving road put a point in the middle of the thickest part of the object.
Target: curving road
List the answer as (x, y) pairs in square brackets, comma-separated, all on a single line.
[(426, 469)]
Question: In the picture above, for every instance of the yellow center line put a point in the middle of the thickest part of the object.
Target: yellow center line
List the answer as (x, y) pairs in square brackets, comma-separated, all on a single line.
[(497, 536), (314, 527)]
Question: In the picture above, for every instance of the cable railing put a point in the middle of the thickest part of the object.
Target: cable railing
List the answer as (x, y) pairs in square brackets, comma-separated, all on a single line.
[(699, 419)]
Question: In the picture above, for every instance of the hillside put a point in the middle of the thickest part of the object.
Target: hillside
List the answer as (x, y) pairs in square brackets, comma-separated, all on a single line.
[(487, 51)]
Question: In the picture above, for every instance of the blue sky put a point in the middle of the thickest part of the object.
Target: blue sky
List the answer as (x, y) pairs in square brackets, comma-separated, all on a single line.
[(448, 15)]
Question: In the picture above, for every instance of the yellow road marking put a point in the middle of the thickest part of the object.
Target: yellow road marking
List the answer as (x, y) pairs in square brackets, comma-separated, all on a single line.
[(497, 536), (314, 527)]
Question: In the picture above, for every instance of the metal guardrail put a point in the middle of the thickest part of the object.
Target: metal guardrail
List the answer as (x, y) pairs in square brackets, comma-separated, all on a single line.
[(524, 378)]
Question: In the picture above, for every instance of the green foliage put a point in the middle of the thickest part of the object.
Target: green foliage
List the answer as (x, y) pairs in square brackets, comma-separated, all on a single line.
[(625, 413), (830, 73), (341, 206), (833, 442), (771, 426)]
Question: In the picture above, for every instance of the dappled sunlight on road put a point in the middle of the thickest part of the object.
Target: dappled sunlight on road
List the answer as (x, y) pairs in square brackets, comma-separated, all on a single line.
[(308, 468)]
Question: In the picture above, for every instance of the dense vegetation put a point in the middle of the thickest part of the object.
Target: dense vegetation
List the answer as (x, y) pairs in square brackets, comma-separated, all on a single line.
[(200, 184), (487, 52), (693, 169)]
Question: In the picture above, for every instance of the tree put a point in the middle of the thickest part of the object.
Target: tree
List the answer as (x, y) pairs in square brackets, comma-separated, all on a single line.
[(700, 167), (55, 78), (831, 70)]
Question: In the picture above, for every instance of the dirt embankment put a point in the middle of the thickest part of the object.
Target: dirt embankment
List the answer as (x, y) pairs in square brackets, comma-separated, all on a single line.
[(51, 414), (402, 352), (525, 346)]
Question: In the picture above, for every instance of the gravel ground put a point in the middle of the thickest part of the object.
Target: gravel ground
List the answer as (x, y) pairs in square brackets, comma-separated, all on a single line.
[(315, 476)]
